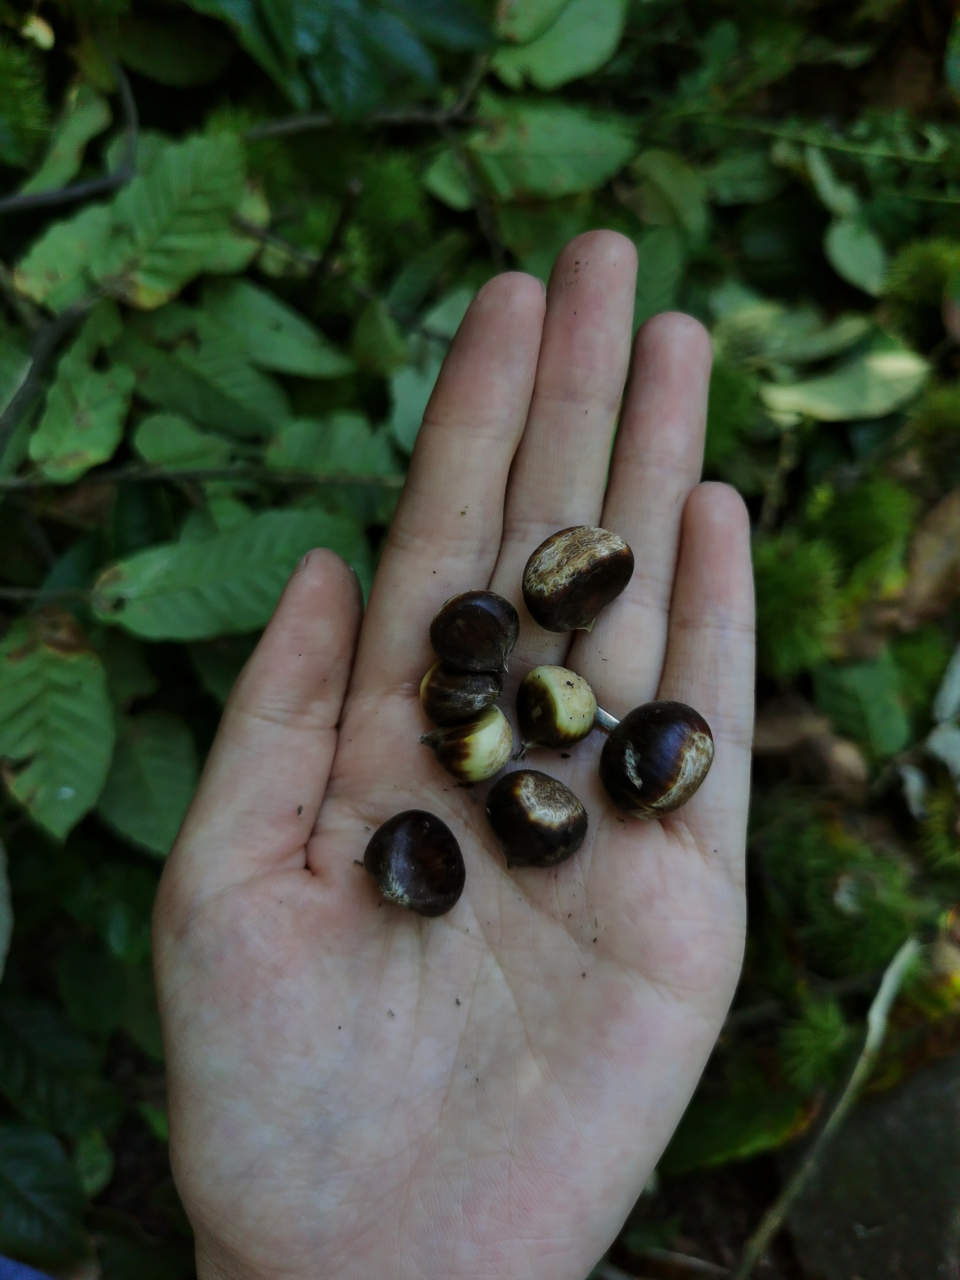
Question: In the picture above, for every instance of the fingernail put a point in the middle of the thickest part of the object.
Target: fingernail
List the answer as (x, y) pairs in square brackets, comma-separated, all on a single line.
[(543, 286), (303, 563)]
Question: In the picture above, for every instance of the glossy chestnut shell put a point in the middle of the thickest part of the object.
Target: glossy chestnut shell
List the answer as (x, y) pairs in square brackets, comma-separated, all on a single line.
[(656, 758), (573, 575), (476, 750), (538, 821), (416, 861), (475, 631), (555, 707), (455, 697)]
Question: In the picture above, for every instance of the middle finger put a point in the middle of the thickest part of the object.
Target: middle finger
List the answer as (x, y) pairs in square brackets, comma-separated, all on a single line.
[(560, 469)]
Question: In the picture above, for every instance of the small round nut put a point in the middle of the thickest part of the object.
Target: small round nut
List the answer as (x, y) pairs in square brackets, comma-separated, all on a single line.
[(573, 575), (538, 821), (455, 697), (474, 751), (656, 758), (475, 631), (416, 860), (555, 707)]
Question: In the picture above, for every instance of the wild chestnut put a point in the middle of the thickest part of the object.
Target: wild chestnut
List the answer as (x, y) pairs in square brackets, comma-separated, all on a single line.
[(555, 707), (416, 861), (571, 576), (536, 819), (656, 758), (454, 697), (475, 631), (476, 750)]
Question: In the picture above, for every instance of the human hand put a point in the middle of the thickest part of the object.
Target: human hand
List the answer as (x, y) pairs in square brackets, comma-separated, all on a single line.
[(356, 1091)]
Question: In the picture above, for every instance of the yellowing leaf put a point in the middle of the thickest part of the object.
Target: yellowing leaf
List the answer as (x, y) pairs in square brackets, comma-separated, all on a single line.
[(85, 115), (56, 720), (151, 780), (57, 270), (82, 423)]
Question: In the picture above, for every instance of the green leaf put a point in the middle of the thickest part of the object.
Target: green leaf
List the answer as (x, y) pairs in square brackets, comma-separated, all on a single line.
[(57, 269), (548, 148), (231, 582), (85, 115), (151, 781), (342, 442), (116, 900), (48, 1071), (271, 334), (675, 185), (167, 440), (91, 984), (839, 197), (128, 676), (169, 220), (864, 702), (378, 344), (23, 104), (219, 662), (93, 1161), (448, 178), (410, 390), (857, 254), (141, 1021), (177, 51), (867, 387), (523, 20), (82, 422), (584, 37), (744, 175), (660, 264), (41, 1205), (56, 721), (535, 234)]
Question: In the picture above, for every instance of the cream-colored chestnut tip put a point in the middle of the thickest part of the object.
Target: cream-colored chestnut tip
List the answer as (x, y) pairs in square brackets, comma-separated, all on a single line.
[(555, 707), (474, 751)]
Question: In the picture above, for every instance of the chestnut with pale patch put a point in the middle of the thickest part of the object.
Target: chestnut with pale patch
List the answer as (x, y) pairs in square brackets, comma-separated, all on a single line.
[(474, 751), (456, 697), (475, 631), (573, 575), (555, 707), (416, 861), (538, 821), (656, 758)]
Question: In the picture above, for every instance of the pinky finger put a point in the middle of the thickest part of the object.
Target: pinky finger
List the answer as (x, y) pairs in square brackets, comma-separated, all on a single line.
[(710, 661)]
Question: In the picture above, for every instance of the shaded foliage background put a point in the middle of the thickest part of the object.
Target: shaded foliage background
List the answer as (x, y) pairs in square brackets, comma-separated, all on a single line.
[(237, 237)]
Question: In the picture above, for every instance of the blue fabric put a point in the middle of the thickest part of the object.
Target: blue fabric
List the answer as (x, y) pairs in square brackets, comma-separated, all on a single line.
[(17, 1271)]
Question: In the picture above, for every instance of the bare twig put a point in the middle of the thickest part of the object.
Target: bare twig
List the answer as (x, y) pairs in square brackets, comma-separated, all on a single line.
[(786, 461), (184, 475), (773, 1219), (806, 138), (93, 186), (324, 262), (45, 342)]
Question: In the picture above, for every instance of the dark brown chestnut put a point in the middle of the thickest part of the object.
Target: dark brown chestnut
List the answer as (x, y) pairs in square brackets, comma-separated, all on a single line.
[(454, 697), (573, 575), (656, 758), (476, 750), (555, 707), (538, 821), (416, 861), (475, 631)]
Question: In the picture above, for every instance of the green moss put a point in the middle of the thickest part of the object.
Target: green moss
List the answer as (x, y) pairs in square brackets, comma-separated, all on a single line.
[(922, 657), (815, 1048), (857, 522), (732, 408), (935, 429), (797, 604), (915, 284)]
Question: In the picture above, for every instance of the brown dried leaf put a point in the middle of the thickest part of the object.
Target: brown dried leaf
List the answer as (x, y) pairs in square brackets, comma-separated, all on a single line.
[(933, 572)]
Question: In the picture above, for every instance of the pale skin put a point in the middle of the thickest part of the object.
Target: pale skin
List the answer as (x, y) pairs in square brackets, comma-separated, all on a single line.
[(357, 1091)]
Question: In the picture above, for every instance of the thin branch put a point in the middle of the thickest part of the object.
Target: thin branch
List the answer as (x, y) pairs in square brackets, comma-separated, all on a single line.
[(45, 342), (812, 139), (184, 475), (93, 186), (776, 484), (771, 1010), (758, 1244), (325, 261)]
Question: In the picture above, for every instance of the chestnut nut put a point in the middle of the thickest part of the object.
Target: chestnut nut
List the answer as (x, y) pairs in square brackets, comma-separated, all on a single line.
[(475, 631), (476, 750), (555, 707), (573, 575), (538, 821), (454, 697), (416, 860), (656, 758)]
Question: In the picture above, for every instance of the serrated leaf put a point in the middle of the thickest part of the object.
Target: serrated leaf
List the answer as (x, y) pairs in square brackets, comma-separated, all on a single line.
[(410, 390), (246, 21), (857, 254), (83, 419), (676, 186), (271, 334), (523, 20), (227, 583), (868, 387), (548, 148), (342, 442), (584, 37), (378, 344), (57, 269), (151, 781), (660, 264), (864, 702), (48, 1071), (128, 676), (41, 1207), (167, 440), (85, 115), (56, 721), (168, 221), (448, 178)]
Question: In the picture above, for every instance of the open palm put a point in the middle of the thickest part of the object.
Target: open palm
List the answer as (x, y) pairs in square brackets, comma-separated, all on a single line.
[(356, 1091)]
